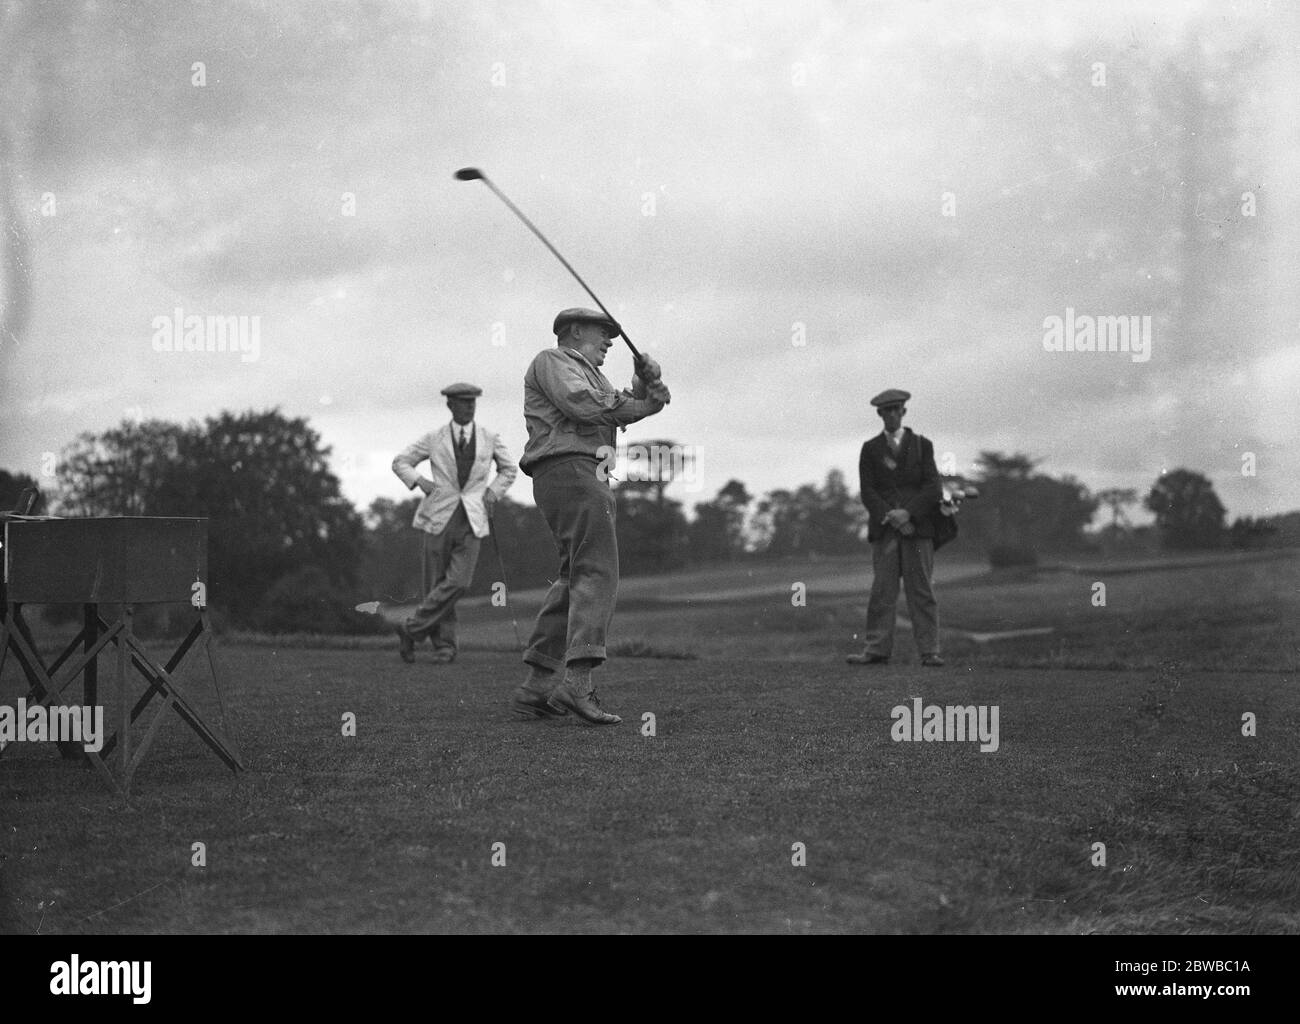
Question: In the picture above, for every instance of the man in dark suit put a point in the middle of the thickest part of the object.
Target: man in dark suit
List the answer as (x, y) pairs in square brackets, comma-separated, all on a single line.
[(901, 490)]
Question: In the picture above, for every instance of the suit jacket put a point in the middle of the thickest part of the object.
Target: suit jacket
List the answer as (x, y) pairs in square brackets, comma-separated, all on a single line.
[(438, 506), (912, 483)]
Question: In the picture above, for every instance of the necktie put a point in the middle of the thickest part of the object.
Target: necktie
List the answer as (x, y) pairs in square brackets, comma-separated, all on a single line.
[(893, 445), (460, 441)]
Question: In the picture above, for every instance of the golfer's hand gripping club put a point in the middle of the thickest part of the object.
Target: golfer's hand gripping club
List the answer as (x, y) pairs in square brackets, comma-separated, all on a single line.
[(648, 371)]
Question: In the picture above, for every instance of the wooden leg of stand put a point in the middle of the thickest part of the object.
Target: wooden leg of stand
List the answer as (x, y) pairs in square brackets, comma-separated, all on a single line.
[(90, 674), (124, 699), (90, 632)]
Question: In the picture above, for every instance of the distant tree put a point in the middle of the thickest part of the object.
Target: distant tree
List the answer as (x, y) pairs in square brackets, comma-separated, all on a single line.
[(1287, 526), (129, 470), (652, 530), (1188, 512), (718, 531), (1117, 499), (1247, 532), (275, 504), (529, 558), (305, 601), (648, 467), (390, 563), (824, 520), (1022, 512), (1003, 518), (839, 523), (263, 481), (12, 486), (1062, 509)]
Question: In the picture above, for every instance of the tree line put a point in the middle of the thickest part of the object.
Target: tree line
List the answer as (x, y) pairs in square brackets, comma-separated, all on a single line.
[(288, 552)]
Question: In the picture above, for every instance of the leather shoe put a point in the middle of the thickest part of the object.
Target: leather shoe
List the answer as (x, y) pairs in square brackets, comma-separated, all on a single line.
[(577, 694), (533, 704), (867, 659), (932, 661), (405, 645), (444, 655)]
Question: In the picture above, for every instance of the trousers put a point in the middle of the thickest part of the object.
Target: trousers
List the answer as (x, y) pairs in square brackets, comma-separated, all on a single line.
[(894, 557), (447, 562), (575, 615)]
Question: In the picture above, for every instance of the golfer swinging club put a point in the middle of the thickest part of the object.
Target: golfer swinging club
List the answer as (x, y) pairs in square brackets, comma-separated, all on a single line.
[(572, 411)]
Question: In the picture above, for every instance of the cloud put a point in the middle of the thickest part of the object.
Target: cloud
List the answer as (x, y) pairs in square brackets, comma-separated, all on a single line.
[(757, 192)]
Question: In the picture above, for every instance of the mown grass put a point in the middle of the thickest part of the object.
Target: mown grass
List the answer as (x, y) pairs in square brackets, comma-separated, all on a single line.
[(1233, 615), (773, 741)]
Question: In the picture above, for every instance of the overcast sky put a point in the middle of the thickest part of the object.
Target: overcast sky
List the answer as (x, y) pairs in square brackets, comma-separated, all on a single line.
[(791, 206)]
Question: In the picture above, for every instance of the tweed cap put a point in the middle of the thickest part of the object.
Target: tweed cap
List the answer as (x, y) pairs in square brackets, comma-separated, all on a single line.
[(891, 397), (587, 316)]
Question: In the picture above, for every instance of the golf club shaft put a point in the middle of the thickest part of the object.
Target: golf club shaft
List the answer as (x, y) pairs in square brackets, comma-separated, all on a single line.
[(556, 253), (501, 564)]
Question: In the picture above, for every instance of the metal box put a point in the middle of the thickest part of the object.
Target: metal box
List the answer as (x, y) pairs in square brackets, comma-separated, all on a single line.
[(111, 560)]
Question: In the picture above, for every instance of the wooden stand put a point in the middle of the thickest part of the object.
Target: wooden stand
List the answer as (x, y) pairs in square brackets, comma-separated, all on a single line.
[(123, 561)]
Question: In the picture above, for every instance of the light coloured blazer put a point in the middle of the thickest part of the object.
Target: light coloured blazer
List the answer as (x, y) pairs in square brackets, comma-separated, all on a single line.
[(437, 507)]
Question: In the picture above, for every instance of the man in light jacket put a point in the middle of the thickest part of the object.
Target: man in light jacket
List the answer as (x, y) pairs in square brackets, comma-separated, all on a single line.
[(454, 515)]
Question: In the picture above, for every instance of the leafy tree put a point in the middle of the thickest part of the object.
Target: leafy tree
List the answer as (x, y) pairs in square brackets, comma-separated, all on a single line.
[(1188, 512), (305, 601), (527, 550), (275, 505), (718, 531), (1062, 509), (262, 480), (1117, 499), (129, 470), (652, 531), (1249, 532), (390, 566), (1003, 518), (1021, 512), (12, 486), (390, 563), (824, 520)]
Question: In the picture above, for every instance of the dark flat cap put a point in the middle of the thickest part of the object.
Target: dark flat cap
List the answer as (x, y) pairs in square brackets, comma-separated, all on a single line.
[(462, 390), (891, 397), (584, 316)]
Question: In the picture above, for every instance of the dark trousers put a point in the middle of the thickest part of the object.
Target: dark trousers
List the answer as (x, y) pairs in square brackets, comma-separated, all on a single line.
[(447, 568), (575, 616), (892, 557)]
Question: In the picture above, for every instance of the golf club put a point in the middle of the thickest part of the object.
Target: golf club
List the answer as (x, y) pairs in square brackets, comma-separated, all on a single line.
[(474, 174), (492, 533)]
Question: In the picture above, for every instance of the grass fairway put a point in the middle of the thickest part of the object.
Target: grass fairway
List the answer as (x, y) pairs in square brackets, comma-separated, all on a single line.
[(775, 743)]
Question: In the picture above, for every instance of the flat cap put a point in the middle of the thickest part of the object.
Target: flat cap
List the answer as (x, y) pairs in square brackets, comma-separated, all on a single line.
[(462, 390), (585, 316), (891, 397)]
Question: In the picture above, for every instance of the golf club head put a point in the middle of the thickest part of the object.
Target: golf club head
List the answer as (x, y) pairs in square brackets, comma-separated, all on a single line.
[(468, 174)]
